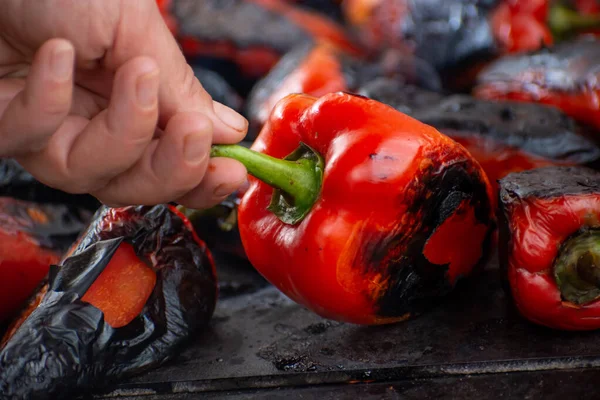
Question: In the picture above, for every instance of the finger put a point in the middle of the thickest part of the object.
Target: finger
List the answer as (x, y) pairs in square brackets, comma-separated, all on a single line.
[(172, 165), (223, 177), (37, 111), (85, 160)]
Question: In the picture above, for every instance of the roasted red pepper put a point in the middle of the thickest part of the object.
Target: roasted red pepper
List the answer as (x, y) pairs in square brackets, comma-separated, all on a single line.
[(317, 70), (550, 239), (32, 237), (503, 136), (565, 76), (374, 215), (136, 287), (253, 34)]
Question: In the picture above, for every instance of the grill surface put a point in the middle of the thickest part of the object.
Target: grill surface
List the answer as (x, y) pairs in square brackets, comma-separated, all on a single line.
[(261, 345)]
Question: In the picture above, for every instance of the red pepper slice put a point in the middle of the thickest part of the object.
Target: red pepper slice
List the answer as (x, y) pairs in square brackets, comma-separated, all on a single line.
[(362, 190), (550, 235)]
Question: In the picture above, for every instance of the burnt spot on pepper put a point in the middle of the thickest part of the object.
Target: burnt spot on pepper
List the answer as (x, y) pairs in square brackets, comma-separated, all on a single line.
[(550, 245), (564, 76), (73, 338), (418, 268)]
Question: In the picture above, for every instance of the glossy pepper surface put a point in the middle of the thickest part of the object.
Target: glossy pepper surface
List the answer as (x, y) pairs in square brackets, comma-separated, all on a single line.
[(32, 237), (128, 295), (319, 69), (374, 216), (550, 235), (565, 76)]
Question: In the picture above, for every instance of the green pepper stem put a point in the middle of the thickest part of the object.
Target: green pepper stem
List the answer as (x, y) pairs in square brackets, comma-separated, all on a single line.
[(563, 21), (298, 177), (577, 268)]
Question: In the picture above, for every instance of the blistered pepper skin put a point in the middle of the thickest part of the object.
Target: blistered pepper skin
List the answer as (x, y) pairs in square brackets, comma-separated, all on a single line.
[(62, 345), (381, 243), (542, 208)]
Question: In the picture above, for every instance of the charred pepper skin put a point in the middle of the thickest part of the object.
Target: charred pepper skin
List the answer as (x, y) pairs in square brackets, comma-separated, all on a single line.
[(543, 209), (33, 236), (380, 243), (319, 69), (252, 34), (63, 345), (565, 76)]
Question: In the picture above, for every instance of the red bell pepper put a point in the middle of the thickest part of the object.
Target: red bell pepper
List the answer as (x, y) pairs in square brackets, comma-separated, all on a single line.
[(31, 239), (550, 235), (371, 217), (564, 76)]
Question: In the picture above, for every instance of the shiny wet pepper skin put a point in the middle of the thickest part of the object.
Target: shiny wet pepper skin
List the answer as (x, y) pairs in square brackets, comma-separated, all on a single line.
[(550, 214), (403, 211)]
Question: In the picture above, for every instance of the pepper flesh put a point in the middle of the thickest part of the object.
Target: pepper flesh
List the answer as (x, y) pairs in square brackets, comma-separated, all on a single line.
[(389, 185), (123, 287), (542, 209)]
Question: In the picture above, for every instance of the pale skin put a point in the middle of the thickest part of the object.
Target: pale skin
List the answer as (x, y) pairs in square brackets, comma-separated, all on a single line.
[(96, 97)]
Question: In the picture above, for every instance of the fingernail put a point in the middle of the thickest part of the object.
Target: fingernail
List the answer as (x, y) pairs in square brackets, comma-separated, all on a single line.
[(147, 89), (195, 148), (230, 117), (61, 63)]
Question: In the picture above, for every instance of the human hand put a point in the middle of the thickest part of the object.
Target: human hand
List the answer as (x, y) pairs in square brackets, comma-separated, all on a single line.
[(96, 97)]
